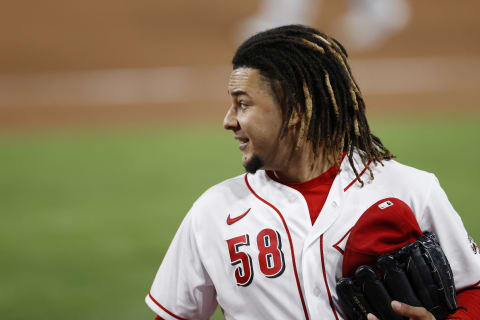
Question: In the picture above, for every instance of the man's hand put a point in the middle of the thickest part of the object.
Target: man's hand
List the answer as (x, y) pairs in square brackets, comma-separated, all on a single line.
[(405, 310), (418, 275)]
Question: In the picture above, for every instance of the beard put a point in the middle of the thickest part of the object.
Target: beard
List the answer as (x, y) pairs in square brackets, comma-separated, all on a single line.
[(254, 164)]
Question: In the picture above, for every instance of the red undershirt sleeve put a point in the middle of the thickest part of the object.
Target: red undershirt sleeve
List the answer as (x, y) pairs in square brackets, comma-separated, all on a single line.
[(470, 299)]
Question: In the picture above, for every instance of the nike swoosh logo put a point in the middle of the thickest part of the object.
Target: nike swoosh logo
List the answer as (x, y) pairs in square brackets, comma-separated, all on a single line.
[(231, 221)]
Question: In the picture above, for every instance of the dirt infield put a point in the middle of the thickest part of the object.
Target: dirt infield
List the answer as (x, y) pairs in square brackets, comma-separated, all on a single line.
[(57, 37)]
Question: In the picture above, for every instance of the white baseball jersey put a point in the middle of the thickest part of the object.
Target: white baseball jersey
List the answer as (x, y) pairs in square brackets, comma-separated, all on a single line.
[(248, 244)]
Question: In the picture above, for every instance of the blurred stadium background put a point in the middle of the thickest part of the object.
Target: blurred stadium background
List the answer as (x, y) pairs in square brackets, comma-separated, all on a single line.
[(110, 127)]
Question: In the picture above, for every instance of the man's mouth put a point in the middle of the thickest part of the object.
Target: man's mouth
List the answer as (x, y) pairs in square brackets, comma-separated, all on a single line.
[(243, 142)]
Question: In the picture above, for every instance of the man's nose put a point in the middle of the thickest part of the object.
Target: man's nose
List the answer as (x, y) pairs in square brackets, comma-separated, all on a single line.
[(230, 121)]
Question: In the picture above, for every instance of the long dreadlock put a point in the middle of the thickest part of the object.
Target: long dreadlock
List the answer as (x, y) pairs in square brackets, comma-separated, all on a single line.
[(310, 77)]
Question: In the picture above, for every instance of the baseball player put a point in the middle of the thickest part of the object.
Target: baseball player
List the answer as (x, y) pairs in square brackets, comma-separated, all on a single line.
[(269, 244), (366, 24)]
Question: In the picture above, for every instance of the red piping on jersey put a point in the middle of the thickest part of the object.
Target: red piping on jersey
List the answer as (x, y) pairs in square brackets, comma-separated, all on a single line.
[(289, 240), (473, 286), (325, 278), (354, 180), (165, 309), (336, 244)]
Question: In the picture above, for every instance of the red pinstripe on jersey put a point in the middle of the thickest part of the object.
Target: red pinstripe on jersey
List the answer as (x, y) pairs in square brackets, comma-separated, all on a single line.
[(473, 286), (289, 240), (165, 309), (325, 278), (336, 245), (354, 180)]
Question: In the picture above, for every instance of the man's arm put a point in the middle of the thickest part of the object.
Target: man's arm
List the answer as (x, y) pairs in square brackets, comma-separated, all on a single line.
[(441, 218), (470, 299), (182, 273)]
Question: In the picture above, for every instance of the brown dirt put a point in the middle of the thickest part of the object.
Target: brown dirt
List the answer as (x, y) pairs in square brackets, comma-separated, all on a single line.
[(60, 36)]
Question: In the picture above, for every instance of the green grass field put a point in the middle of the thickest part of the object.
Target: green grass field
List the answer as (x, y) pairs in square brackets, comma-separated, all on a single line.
[(87, 216)]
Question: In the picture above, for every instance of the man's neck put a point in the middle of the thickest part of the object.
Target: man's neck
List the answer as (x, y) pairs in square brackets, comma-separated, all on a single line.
[(304, 166)]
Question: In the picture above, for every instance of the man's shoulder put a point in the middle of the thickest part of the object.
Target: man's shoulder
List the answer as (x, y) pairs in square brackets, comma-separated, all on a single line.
[(391, 171), (402, 171), (403, 178), (231, 185), (224, 193), (210, 211)]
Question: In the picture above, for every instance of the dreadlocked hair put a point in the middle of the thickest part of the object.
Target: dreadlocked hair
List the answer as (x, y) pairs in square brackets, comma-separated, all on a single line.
[(310, 77)]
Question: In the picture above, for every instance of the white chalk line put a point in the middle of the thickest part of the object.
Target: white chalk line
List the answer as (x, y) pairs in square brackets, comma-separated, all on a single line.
[(166, 85)]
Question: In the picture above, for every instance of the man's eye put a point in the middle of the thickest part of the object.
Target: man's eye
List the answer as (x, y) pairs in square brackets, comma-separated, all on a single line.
[(242, 105)]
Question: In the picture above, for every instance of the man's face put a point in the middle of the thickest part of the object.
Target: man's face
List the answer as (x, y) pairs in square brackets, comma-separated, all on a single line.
[(256, 120)]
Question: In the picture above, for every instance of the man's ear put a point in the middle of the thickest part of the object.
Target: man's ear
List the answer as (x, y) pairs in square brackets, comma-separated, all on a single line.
[(294, 119)]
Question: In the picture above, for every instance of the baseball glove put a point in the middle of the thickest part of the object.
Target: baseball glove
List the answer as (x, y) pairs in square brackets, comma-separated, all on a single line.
[(417, 274)]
